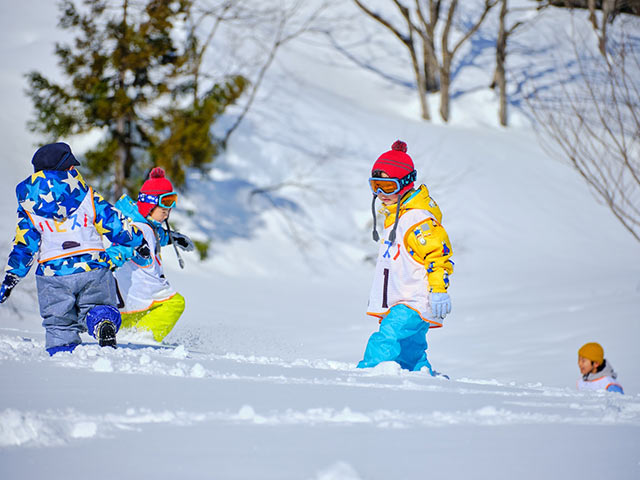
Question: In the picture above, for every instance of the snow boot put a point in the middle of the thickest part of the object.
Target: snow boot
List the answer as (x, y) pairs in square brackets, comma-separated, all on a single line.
[(106, 334), (103, 322)]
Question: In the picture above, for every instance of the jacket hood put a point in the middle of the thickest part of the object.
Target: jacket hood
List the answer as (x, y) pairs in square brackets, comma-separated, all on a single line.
[(130, 209), (52, 193), (607, 371), (414, 199)]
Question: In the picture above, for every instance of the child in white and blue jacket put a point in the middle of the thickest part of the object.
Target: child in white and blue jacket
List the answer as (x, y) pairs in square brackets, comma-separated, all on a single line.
[(151, 304), (61, 221)]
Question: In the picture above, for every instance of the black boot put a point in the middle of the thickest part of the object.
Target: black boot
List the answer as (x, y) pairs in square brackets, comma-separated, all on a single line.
[(106, 334)]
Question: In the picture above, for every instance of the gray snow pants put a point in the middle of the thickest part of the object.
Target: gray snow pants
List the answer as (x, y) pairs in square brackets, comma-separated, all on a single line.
[(65, 300)]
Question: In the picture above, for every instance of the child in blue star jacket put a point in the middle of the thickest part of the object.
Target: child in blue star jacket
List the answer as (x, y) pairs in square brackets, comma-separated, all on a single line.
[(409, 292), (62, 221)]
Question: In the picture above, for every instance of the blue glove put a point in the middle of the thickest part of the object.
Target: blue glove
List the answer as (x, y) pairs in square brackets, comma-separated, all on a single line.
[(10, 281), (440, 304)]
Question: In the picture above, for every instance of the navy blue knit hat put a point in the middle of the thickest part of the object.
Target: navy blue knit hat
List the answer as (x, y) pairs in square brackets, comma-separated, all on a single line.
[(54, 156)]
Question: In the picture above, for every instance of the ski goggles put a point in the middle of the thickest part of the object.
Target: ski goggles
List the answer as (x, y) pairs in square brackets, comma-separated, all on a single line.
[(389, 186), (166, 200)]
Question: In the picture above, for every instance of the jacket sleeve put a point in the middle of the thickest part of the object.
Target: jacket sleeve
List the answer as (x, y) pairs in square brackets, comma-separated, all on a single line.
[(26, 245), (163, 237), (112, 224), (429, 244), (615, 388)]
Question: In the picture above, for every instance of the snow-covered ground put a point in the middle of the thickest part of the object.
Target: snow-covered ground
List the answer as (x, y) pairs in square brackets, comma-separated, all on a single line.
[(258, 378)]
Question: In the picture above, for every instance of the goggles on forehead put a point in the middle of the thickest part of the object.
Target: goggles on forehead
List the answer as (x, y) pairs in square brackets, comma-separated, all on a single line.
[(389, 186), (166, 200)]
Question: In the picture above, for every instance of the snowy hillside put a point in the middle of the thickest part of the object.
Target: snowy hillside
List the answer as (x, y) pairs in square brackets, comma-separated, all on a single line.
[(258, 379)]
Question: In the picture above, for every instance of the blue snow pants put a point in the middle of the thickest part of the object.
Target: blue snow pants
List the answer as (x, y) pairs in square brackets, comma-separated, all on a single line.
[(401, 338), (66, 299)]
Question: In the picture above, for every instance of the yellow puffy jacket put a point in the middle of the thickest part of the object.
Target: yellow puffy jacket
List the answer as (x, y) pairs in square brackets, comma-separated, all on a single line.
[(428, 242)]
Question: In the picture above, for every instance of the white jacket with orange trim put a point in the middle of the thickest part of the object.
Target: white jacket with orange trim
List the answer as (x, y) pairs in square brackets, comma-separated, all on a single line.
[(417, 264), (605, 379), (141, 286), (142, 283)]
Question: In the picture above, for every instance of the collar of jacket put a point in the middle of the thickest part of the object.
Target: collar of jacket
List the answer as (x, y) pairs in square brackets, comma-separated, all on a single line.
[(412, 199), (606, 371)]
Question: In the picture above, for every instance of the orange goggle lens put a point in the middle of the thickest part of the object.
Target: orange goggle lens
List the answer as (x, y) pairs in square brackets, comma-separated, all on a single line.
[(168, 200), (384, 185)]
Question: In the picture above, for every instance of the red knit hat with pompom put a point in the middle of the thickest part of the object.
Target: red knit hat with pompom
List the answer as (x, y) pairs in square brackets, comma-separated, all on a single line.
[(396, 163), (157, 184)]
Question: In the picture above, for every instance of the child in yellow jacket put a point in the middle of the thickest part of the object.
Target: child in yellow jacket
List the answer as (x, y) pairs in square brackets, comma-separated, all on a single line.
[(409, 291)]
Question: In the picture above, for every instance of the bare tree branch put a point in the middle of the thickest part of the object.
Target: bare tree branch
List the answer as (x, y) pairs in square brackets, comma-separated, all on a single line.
[(281, 37), (595, 126)]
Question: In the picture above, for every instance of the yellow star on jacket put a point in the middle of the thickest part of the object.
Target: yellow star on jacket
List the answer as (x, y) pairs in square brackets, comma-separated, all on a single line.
[(20, 233), (39, 174), (101, 230)]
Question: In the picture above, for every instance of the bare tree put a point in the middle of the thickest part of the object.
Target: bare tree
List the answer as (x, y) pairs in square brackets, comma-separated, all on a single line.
[(449, 53), (610, 9), (596, 127), (288, 26), (612, 6), (419, 37), (423, 68), (499, 76), (267, 25)]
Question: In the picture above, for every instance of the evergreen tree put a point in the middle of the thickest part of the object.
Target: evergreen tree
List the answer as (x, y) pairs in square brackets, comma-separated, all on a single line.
[(129, 77)]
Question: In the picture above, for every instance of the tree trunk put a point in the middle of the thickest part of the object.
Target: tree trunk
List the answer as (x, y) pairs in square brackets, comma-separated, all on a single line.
[(445, 82), (420, 78), (448, 54), (445, 68), (121, 152), (422, 90), (118, 187), (501, 55), (432, 82)]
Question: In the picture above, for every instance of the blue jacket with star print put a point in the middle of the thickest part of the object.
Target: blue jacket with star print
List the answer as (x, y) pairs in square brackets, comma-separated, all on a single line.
[(55, 196)]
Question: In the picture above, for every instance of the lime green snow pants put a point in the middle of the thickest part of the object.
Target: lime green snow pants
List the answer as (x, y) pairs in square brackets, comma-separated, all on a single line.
[(159, 319)]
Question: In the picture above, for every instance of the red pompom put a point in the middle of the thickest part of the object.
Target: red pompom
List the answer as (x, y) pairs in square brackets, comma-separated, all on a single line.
[(399, 146), (158, 172)]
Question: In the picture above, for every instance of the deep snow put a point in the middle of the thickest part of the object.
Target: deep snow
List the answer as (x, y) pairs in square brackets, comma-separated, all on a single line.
[(258, 379)]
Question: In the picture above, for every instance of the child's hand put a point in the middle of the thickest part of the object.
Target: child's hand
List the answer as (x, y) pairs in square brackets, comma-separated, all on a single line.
[(440, 304), (8, 283), (183, 241)]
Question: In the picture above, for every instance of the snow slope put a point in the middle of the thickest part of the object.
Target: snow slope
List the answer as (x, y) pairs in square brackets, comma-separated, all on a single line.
[(258, 380)]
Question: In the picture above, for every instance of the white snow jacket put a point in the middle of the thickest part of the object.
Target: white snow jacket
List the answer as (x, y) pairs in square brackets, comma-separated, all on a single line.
[(602, 380), (72, 235), (417, 263), (140, 284)]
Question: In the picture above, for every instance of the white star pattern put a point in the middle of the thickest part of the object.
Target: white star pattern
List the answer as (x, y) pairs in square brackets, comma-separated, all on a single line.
[(126, 226), (62, 211), (28, 204), (48, 198), (72, 182), (49, 272)]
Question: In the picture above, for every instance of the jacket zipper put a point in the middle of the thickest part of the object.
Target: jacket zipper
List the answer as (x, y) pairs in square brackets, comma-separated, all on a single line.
[(384, 288)]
